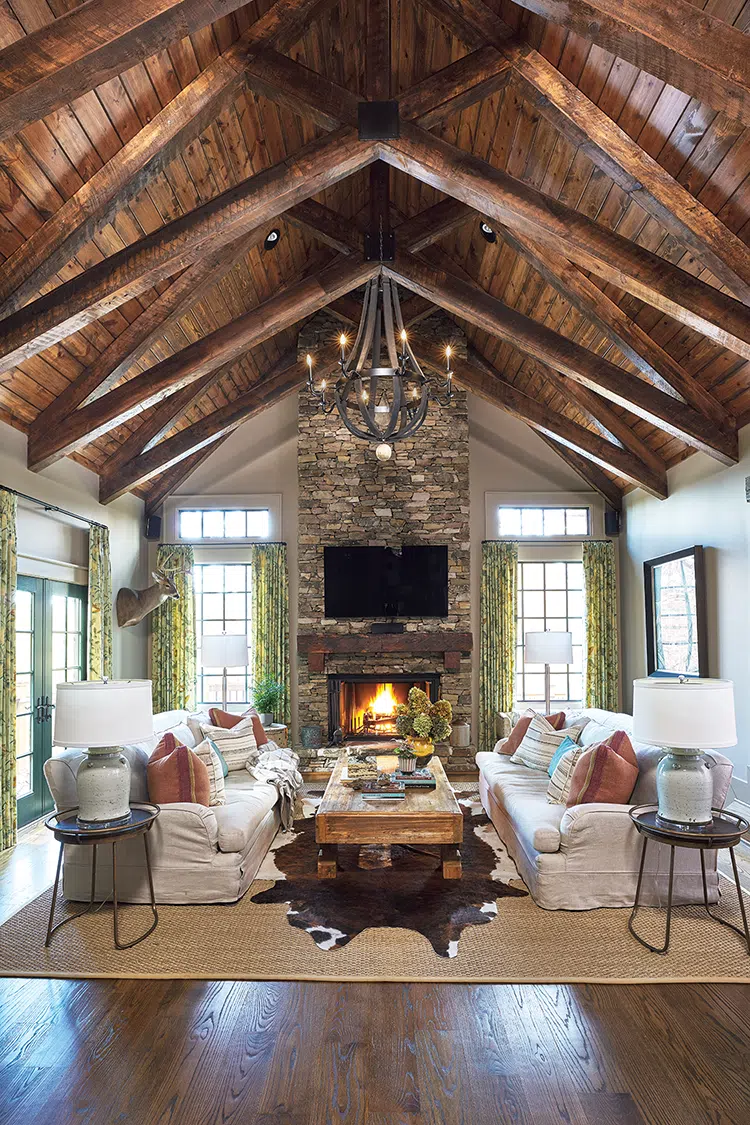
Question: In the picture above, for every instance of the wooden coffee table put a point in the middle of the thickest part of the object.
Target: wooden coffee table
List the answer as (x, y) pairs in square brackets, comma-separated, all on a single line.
[(423, 817)]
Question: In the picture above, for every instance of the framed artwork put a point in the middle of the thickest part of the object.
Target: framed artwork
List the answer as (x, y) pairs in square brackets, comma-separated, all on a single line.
[(676, 640)]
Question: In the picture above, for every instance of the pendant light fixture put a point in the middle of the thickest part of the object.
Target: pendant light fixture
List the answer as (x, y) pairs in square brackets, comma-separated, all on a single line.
[(382, 395)]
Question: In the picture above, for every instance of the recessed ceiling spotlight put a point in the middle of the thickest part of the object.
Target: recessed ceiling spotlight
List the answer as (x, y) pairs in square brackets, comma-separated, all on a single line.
[(487, 232), (271, 239)]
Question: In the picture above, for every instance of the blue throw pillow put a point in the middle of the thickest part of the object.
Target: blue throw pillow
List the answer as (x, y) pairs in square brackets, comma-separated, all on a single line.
[(565, 745), (220, 756)]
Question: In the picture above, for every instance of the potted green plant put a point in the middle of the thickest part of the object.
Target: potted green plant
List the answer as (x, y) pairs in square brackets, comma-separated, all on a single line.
[(267, 695)]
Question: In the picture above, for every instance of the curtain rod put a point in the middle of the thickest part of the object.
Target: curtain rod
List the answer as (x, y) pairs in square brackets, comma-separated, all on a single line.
[(53, 507)]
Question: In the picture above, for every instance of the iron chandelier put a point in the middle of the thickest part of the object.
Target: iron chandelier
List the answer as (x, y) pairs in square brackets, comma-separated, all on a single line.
[(381, 398)]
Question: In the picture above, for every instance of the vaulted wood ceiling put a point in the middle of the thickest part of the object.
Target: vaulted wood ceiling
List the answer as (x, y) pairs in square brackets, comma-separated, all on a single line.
[(145, 155)]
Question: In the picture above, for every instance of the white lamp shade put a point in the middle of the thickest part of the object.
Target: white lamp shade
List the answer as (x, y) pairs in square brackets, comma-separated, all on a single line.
[(548, 648), (686, 714), (227, 650), (103, 713)]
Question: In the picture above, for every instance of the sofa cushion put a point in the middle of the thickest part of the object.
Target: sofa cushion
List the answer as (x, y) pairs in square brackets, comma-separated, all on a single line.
[(240, 818), (523, 794), (208, 754), (236, 743), (517, 735), (227, 720), (605, 773), (176, 773), (540, 743), (558, 789)]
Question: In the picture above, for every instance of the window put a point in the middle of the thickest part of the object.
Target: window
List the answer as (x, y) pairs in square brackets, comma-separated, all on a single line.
[(197, 524), (550, 596), (540, 522), (222, 605)]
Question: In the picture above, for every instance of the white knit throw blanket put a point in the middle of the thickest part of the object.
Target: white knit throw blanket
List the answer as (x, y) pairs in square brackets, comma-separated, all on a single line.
[(279, 768)]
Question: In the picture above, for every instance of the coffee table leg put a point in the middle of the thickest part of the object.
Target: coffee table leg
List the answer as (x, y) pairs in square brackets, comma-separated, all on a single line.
[(452, 868), (327, 861)]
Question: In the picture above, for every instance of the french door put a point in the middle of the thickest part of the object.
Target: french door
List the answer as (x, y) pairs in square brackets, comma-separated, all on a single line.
[(50, 648)]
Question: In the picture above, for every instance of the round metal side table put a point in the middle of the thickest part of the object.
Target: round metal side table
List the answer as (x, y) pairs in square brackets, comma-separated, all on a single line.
[(67, 830), (725, 831)]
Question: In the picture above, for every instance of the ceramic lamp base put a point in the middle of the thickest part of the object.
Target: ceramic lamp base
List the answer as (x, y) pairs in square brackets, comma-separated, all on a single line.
[(103, 786), (684, 788)]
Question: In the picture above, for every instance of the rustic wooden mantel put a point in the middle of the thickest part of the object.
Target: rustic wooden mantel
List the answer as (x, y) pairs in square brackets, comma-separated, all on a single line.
[(452, 645)]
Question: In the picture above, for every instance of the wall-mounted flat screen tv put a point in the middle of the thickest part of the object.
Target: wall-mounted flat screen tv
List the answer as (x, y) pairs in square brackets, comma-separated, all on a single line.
[(386, 581)]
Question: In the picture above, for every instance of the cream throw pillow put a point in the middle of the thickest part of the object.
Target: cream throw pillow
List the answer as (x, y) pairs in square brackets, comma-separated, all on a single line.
[(558, 789), (540, 743), (236, 744), (212, 762)]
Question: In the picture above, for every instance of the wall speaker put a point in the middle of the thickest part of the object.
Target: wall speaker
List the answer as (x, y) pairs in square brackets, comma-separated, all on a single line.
[(611, 521), (153, 527)]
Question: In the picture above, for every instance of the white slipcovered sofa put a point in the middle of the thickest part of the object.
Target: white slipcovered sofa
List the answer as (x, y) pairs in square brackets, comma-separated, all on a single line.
[(198, 854), (587, 856)]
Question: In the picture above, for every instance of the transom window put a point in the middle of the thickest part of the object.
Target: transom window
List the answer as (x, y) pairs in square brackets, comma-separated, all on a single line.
[(540, 522), (222, 605), (195, 524), (550, 596)]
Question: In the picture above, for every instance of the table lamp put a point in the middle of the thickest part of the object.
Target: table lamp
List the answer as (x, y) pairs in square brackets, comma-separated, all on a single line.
[(548, 648), (224, 650), (686, 716), (99, 716)]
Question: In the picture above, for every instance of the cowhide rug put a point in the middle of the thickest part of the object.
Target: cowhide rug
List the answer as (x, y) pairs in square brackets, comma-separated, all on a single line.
[(391, 886)]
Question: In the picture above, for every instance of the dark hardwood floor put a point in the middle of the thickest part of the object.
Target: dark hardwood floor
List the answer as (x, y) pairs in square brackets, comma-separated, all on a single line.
[(193, 1053)]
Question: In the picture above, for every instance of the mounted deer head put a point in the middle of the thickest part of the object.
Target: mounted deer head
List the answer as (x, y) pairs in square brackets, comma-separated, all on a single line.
[(133, 605)]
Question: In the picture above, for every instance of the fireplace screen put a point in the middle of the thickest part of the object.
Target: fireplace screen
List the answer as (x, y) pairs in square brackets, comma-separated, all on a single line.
[(365, 707)]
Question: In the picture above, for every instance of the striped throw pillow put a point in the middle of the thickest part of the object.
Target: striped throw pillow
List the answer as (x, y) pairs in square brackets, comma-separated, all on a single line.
[(516, 736), (605, 773), (176, 773), (540, 742), (236, 744), (211, 759), (558, 789), (227, 720)]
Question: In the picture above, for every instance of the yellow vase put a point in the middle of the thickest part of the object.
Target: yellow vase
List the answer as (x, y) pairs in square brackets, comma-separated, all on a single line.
[(424, 748)]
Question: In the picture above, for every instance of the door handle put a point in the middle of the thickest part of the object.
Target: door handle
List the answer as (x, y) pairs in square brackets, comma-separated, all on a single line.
[(48, 709), (38, 713)]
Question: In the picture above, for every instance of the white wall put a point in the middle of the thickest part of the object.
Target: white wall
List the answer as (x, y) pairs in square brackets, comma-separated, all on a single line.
[(504, 456), (55, 547), (707, 506)]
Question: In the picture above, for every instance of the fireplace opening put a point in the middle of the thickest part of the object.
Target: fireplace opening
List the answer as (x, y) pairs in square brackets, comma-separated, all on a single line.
[(364, 707)]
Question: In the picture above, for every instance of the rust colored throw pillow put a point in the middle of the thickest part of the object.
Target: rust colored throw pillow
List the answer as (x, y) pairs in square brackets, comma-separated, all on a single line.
[(516, 736), (175, 773), (605, 773), (224, 719)]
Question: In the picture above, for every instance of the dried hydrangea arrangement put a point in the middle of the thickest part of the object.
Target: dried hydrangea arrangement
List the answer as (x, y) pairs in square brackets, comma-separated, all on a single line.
[(421, 719)]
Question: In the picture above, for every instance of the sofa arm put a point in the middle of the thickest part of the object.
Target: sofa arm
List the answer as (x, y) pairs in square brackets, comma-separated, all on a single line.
[(604, 829), (184, 832)]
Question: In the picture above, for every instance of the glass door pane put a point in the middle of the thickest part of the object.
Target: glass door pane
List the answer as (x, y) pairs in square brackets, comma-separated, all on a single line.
[(29, 680)]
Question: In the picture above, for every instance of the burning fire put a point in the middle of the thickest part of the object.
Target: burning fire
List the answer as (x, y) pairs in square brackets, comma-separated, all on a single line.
[(384, 702)]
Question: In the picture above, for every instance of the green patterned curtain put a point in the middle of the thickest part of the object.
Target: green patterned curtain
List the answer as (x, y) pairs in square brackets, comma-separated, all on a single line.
[(602, 661), (173, 643), (270, 618), (7, 669), (100, 604), (497, 635)]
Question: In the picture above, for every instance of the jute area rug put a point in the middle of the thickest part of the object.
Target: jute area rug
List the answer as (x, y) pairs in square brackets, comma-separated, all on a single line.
[(388, 916)]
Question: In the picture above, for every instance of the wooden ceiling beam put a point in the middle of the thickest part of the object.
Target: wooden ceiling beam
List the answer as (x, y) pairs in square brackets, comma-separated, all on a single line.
[(263, 394), (611, 149), (60, 238), (476, 375), (591, 473), (167, 483), (635, 344), (678, 42), (88, 46), (143, 332), (471, 21), (303, 91), (378, 50), (197, 359), (469, 302), (432, 225), (455, 87), (216, 223), (607, 254), (327, 226)]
